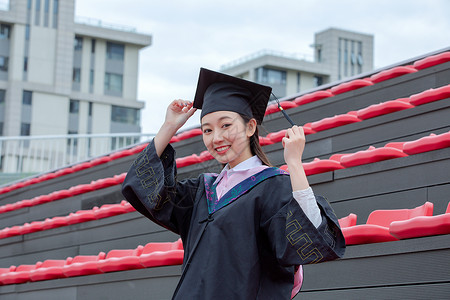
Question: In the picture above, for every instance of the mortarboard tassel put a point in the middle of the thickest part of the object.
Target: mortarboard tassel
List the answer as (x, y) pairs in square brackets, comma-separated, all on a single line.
[(282, 110)]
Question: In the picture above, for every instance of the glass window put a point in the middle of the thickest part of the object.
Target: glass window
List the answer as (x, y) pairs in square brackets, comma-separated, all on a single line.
[(125, 115), (27, 32), (78, 43), (27, 97), (113, 82), (74, 106), (25, 129), (91, 77), (4, 63), (114, 51), (270, 76), (29, 5), (93, 46), (47, 6), (76, 76), (55, 7), (2, 96), (90, 109), (25, 64), (318, 80), (4, 31), (38, 5)]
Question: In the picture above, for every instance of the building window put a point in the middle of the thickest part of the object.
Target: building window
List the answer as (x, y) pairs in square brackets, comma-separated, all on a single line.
[(25, 64), (37, 18), (90, 109), (4, 63), (298, 82), (29, 5), (74, 106), (113, 82), (2, 96), (76, 76), (318, 80), (93, 46), (270, 76), (25, 129), (114, 51), (46, 12), (55, 13), (91, 78), (78, 43), (125, 115), (27, 32), (27, 97), (5, 31)]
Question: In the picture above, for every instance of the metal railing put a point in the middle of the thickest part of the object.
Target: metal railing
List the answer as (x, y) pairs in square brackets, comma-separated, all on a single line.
[(33, 154)]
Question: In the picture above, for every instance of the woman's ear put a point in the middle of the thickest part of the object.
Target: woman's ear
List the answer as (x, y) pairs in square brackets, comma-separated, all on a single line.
[(251, 127)]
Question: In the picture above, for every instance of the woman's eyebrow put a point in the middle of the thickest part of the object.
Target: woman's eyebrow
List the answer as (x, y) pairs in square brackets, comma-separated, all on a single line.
[(220, 119)]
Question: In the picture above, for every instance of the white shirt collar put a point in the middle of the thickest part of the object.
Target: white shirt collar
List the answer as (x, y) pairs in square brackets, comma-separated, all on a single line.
[(249, 163)]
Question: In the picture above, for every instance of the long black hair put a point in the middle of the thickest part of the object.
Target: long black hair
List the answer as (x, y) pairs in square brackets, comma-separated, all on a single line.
[(255, 146)]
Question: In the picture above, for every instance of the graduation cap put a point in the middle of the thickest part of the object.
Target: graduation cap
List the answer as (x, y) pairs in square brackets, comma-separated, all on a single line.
[(218, 91)]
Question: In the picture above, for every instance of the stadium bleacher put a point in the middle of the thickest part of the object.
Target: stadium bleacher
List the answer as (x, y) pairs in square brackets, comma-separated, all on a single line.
[(378, 142)]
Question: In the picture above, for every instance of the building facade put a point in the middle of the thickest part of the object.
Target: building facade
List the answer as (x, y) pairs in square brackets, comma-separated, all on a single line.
[(60, 75), (338, 54)]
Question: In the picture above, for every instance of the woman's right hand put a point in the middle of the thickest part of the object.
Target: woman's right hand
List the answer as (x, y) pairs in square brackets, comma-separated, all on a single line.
[(178, 112)]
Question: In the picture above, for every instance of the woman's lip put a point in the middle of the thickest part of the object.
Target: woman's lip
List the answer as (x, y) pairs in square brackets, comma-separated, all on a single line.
[(225, 149)]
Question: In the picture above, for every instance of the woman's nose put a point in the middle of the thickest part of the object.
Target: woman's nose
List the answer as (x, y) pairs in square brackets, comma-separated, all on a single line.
[(218, 137)]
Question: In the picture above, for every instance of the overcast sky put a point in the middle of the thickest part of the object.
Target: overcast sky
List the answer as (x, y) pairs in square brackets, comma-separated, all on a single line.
[(191, 34)]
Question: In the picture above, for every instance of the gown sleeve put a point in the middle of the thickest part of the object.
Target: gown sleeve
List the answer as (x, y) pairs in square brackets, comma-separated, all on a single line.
[(294, 240), (152, 188)]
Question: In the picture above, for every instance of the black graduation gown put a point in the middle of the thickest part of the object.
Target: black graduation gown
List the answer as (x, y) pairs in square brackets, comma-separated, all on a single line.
[(245, 250)]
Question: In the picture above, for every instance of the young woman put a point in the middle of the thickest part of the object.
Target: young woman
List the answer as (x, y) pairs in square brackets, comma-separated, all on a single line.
[(247, 230)]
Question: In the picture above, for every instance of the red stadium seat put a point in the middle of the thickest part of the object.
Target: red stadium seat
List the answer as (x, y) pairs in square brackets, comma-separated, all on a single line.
[(5, 271), (336, 121), (120, 154), (392, 73), (82, 216), (348, 221), (10, 231), (273, 108), (109, 210), (81, 166), (46, 198), (61, 194), (370, 155), (307, 129), (174, 139), (349, 86), (83, 265), (189, 134), (162, 254), (49, 269), (428, 143), (55, 222), (421, 226), (430, 95), (376, 229), (81, 189), (103, 183), (63, 172), (188, 160), (138, 149), (205, 156), (20, 275), (321, 166), (384, 108), (264, 141), (119, 260), (432, 60), (276, 137), (120, 178), (311, 97), (32, 227)]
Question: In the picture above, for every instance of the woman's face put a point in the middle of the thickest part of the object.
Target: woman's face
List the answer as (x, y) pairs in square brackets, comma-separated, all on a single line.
[(227, 137)]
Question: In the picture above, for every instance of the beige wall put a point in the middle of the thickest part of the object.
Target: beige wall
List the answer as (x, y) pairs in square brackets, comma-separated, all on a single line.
[(41, 57), (49, 114)]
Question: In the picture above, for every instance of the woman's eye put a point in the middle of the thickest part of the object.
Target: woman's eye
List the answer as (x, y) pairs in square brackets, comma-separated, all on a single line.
[(206, 130), (226, 125)]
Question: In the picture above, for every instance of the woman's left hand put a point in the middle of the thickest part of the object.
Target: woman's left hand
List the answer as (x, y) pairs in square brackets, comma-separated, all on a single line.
[(294, 144)]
